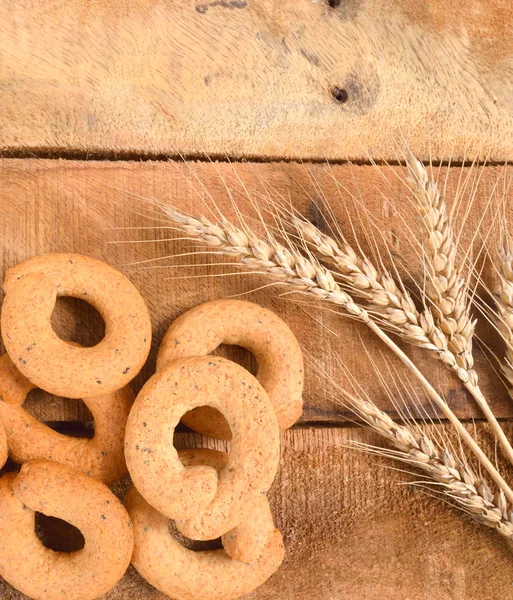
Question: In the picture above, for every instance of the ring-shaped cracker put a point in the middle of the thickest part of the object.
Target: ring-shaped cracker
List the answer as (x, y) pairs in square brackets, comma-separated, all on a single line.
[(203, 505), (280, 361), (210, 575), (28, 439), (49, 362), (89, 505)]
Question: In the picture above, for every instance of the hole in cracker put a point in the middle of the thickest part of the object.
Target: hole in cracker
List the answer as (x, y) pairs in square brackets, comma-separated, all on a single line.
[(77, 321), (195, 455), (195, 545), (239, 355), (77, 429), (207, 414), (10, 467), (57, 534), (65, 415)]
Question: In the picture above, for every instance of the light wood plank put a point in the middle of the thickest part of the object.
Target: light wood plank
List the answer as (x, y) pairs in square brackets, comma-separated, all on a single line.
[(352, 532), (76, 206), (257, 79)]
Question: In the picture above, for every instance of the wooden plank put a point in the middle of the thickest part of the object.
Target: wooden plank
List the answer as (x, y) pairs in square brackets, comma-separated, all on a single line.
[(352, 532), (271, 79), (78, 206)]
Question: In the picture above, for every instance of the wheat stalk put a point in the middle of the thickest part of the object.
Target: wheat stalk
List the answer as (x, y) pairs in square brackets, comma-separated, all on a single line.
[(290, 268), (395, 306), (391, 302), (450, 473), (447, 330), (448, 335), (446, 287), (460, 483), (504, 304)]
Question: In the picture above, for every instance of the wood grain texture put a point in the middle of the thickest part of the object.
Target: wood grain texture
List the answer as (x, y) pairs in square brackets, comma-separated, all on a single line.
[(98, 208), (352, 532), (267, 79)]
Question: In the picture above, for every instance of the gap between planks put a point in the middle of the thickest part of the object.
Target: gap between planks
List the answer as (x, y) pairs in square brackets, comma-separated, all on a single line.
[(72, 154)]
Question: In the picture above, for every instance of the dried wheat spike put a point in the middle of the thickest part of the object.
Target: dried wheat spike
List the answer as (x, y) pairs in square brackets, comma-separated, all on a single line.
[(446, 287), (389, 300), (448, 336), (459, 482), (504, 303), (286, 266)]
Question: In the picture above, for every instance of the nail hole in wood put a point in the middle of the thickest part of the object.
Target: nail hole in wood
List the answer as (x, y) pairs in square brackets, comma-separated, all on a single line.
[(334, 3), (339, 94)]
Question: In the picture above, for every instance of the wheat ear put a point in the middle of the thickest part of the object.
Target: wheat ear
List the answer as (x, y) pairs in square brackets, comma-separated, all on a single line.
[(460, 483), (446, 287), (293, 270), (504, 304), (286, 266), (447, 330), (389, 301)]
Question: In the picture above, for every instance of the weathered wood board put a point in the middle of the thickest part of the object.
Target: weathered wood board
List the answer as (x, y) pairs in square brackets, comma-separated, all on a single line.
[(351, 531), (89, 207), (266, 79)]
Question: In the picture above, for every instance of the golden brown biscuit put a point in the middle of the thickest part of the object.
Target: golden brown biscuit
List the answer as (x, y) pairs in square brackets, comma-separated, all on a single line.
[(55, 365), (204, 505), (280, 362), (27, 439), (57, 491), (3, 445), (187, 575)]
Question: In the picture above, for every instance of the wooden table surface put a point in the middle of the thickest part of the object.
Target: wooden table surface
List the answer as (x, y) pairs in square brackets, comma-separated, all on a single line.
[(95, 98)]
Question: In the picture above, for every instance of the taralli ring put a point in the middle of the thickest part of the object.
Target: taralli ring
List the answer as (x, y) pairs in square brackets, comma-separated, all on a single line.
[(58, 491), (54, 365), (280, 362), (28, 439), (210, 575), (204, 505)]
